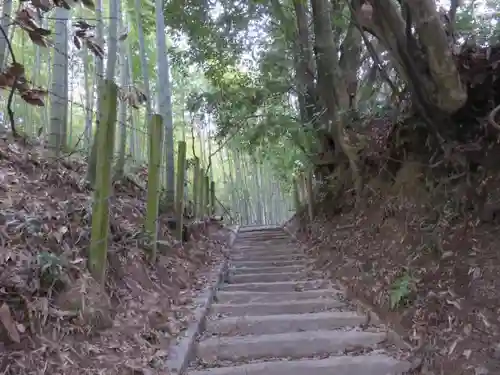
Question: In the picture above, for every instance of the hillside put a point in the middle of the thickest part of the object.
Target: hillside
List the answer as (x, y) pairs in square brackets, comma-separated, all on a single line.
[(53, 316)]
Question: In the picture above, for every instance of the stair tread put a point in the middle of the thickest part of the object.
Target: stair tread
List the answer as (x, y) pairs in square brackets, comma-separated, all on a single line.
[(241, 296), (273, 324), (290, 344), (342, 365), (269, 319)]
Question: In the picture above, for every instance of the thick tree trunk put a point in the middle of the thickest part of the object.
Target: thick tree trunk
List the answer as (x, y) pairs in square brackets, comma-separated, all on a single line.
[(305, 67), (423, 60), (332, 86), (449, 92), (350, 59), (164, 94)]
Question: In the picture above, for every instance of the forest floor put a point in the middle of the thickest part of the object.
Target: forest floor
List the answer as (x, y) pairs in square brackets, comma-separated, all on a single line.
[(54, 319), (436, 282)]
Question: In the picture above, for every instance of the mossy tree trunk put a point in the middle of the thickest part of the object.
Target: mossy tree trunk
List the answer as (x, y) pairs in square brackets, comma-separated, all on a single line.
[(103, 187), (153, 194), (417, 42)]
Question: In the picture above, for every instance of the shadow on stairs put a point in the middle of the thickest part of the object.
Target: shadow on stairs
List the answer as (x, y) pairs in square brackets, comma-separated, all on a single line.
[(272, 318)]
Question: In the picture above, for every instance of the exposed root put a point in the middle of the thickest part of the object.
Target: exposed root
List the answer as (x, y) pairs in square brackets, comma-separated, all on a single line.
[(492, 117)]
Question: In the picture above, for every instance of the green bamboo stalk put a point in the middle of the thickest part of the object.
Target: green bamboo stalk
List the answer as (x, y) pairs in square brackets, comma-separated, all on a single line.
[(201, 195), (196, 188), (103, 188), (179, 191), (296, 194), (153, 194), (206, 191)]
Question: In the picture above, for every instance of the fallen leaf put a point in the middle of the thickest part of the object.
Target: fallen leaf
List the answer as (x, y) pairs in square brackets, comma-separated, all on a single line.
[(21, 328), (447, 254), (467, 353), (468, 329), (9, 323), (454, 303)]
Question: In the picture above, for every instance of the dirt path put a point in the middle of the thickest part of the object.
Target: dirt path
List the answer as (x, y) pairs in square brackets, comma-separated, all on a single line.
[(272, 318)]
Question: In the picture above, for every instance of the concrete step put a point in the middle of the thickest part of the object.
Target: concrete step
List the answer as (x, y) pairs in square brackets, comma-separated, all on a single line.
[(257, 236), (267, 263), (247, 297), (345, 365), (267, 242), (272, 243), (284, 286), (245, 239), (273, 324), (267, 277), (266, 258), (273, 308), (251, 270), (251, 241), (292, 345), (261, 228), (270, 233), (267, 252)]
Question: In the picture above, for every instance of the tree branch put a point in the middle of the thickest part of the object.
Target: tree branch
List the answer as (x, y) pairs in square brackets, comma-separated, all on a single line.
[(369, 46), (192, 137), (238, 128), (11, 94), (225, 209)]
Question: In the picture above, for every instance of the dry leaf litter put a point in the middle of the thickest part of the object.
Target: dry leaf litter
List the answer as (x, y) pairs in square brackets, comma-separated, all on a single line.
[(54, 318), (449, 308)]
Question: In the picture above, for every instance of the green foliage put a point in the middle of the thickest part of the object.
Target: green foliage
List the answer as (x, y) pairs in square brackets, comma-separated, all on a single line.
[(214, 34), (477, 21), (249, 97), (400, 290), (51, 269)]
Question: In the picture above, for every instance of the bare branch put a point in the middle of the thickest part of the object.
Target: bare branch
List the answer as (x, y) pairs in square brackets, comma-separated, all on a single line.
[(492, 117), (11, 94)]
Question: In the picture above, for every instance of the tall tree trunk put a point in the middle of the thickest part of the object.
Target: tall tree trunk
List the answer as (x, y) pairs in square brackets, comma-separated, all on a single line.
[(5, 22), (350, 59), (112, 56), (144, 59), (59, 89), (331, 85), (89, 95), (427, 64), (235, 207), (99, 75), (305, 67), (165, 100), (133, 138), (122, 109), (258, 194)]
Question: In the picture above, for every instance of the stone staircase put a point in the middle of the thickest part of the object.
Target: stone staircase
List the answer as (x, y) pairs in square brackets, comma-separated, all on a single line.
[(272, 318)]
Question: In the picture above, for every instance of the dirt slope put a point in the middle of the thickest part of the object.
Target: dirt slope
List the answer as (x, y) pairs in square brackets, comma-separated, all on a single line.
[(53, 317), (434, 279)]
